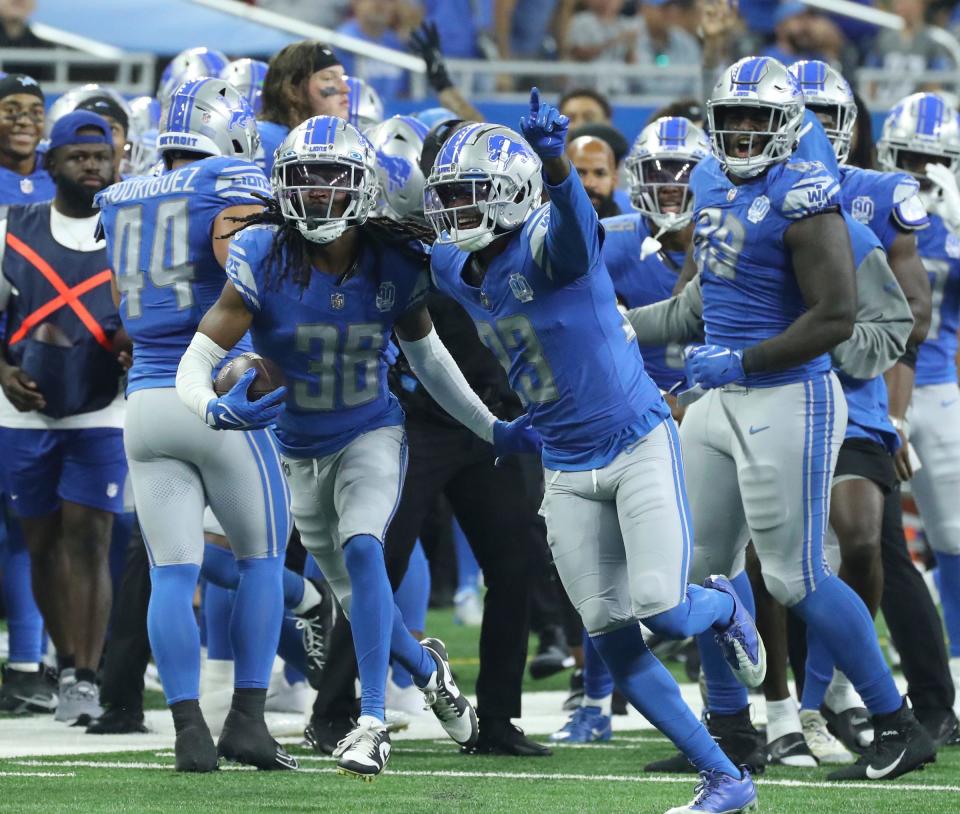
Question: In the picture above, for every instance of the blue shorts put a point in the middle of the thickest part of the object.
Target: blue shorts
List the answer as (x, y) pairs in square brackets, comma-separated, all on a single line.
[(43, 467)]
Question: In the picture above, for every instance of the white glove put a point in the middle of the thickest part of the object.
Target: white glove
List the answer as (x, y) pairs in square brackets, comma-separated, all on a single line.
[(946, 204)]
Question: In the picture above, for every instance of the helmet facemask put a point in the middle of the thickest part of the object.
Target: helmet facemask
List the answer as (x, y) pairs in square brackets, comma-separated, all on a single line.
[(323, 198), (659, 188), (770, 137), (838, 121)]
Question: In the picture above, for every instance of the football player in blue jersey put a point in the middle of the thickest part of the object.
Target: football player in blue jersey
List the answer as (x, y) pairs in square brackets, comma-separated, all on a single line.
[(320, 291), (247, 76), (774, 259), (920, 136), (304, 79), (163, 236), (865, 514), (533, 279)]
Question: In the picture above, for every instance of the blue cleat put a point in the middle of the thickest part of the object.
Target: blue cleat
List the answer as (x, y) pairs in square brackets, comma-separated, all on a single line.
[(586, 725), (740, 641), (718, 793)]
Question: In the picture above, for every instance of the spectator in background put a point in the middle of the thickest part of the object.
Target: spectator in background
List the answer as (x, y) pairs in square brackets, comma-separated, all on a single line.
[(601, 34), (373, 21), (667, 46), (906, 52), (328, 13), (800, 33), (585, 106), (607, 133), (15, 32), (524, 28), (596, 165)]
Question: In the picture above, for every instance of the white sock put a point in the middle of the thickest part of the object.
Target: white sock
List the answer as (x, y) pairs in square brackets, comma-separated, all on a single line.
[(604, 704), (311, 598), (22, 666), (782, 719), (841, 695), (371, 720)]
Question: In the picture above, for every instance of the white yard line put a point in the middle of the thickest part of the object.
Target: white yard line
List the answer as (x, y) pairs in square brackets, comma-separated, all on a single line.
[(591, 778), (38, 774)]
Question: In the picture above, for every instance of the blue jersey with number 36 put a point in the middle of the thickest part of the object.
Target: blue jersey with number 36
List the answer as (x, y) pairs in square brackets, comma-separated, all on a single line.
[(750, 292), (329, 337), (547, 310), (158, 232)]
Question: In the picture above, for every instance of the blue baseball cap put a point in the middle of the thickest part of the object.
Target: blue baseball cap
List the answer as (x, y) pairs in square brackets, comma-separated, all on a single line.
[(66, 130), (788, 9)]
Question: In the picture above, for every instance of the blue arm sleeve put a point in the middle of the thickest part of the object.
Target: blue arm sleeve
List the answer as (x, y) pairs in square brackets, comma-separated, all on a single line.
[(573, 232)]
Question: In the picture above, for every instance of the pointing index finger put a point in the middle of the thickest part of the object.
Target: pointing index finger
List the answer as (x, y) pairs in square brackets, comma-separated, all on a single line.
[(534, 101)]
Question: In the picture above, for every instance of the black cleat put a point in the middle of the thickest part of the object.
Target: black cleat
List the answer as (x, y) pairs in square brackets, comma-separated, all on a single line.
[(852, 727), (24, 691), (247, 740), (194, 749), (618, 704), (499, 737), (117, 721), (734, 734), (941, 726), (317, 627), (324, 734), (441, 694), (900, 745), (791, 750), (553, 655)]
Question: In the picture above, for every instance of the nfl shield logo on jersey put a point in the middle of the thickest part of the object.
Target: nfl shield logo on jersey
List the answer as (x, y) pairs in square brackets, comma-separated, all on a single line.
[(26, 186), (337, 301), (386, 296), (758, 209), (520, 287), (862, 209)]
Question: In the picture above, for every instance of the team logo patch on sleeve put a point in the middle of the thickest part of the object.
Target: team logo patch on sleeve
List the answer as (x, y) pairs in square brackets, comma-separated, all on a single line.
[(520, 287), (386, 296), (758, 209), (862, 209)]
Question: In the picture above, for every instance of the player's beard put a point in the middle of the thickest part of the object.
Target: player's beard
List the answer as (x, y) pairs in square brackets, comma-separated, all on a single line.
[(77, 195)]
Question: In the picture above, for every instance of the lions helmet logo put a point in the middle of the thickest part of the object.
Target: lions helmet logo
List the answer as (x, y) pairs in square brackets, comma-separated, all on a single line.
[(238, 118), (503, 149), (398, 170)]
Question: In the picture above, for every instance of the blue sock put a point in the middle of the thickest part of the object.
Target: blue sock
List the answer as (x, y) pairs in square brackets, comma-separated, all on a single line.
[(835, 614), (409, 652), (174, 635), (818, 672), (255, 624), (24, 622), (290, 649), (371, 618), (217, 609), (311, 569), (597, 681), (949, 587), (220, 568), (468, 570), (648, 685), (700, 609), (412, 598)]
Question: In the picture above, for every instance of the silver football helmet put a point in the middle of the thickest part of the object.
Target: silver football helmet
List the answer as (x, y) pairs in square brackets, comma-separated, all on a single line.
[(826, 91), (764, 87), (366, 106), (193, 63), (141, 152), (210, 117), (398, 143), (247, 76), (919, 127), (485, 179), (325, 178), (68, 102), (658, 170)]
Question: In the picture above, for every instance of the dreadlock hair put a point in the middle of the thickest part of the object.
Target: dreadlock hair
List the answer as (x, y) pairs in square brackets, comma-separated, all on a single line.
[(289, 254)]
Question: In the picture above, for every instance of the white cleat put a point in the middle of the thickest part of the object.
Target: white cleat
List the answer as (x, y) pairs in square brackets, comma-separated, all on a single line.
[(364, 752), (825, 747), (455, 713)]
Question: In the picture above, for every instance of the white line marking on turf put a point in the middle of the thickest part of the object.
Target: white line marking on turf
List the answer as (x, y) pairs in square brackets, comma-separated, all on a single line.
[(604, 778), (38, 774)]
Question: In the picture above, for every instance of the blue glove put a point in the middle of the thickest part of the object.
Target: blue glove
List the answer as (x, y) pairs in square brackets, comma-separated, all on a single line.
[(517, 436), (235, 411), (714, 365), (391, 353), (545, 128)]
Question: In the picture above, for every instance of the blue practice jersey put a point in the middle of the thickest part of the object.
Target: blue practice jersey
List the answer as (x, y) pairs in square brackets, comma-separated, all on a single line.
[(548, 311), (867, 412), (939, 250), (271, 137), (329, 339), (749, 290), (643, 282), (26, 189), (158, 232)]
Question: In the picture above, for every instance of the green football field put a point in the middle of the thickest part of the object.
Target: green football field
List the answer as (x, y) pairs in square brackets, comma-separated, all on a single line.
[(431, 776)]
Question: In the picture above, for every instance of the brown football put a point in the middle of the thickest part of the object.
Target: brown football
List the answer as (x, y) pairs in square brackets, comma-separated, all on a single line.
[(269, 376)]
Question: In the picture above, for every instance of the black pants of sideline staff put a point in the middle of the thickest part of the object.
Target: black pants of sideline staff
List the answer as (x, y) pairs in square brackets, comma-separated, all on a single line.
[(497, 510)]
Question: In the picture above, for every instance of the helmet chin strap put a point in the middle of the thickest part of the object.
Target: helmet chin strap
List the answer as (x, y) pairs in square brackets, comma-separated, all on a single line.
[(652, 245), (324, 233)]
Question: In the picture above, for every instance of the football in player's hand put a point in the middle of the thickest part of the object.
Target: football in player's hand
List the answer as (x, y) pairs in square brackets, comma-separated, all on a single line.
[(269, 376)]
